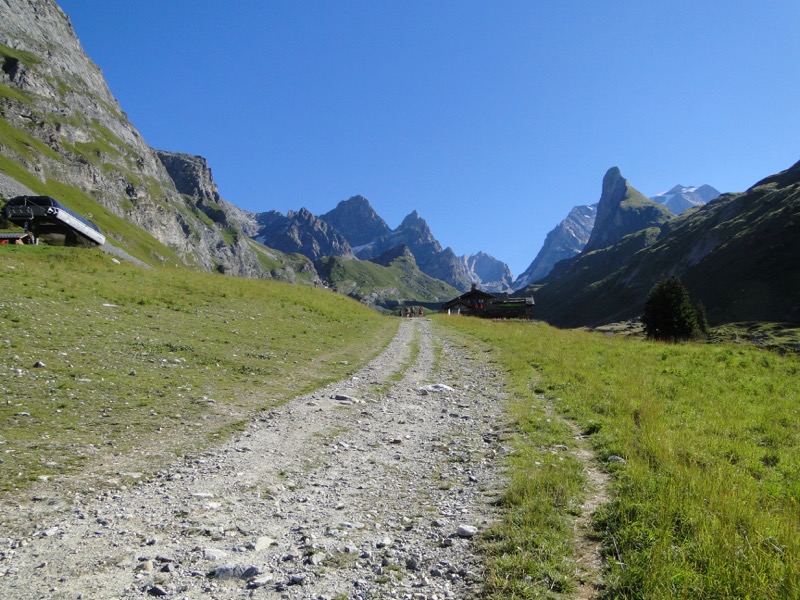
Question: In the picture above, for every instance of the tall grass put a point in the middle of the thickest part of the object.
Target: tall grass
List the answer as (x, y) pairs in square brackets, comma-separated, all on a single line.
[(706, 504), (147, 363)]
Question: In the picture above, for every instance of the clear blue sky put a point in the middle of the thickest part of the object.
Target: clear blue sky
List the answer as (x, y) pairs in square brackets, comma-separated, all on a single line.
[(492, 119)]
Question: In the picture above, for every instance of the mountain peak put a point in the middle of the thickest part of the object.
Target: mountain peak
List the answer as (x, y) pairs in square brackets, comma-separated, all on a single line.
[(413, 221), (622, 210), (614, 186), (681, 198), (356, 220)]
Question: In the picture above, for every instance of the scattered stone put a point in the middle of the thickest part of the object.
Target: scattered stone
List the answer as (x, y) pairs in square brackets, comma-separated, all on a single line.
[(616, 459), (145, 565), (259, 582), (466, 531), (436, 387), (158, 591), (263, 542), (214, 554), (235, 572)]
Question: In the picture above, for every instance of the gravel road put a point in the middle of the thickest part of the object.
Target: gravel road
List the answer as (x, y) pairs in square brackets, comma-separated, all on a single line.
[(378, 486)]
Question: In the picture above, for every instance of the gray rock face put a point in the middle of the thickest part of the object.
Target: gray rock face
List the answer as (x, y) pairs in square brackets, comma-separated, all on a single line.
[(356, 220), (491, 274), (303, 233), (681, 198), (446, 266), (82, 138), (191, 175), (565, 240), (622, 210), (432, 260)]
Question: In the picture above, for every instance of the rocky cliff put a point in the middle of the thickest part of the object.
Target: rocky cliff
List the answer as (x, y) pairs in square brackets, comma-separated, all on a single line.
[(357, 221), (64, 134), (622, 210), (491, 275), (565, 240), (303, 233)]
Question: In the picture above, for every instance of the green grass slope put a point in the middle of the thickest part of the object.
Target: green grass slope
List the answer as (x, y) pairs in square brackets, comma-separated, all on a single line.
[(738, 255), (140, 364), (707, 502), (383, 287)]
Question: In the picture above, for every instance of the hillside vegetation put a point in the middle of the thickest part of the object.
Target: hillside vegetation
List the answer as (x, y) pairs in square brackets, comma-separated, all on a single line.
[(737, 255), (139, 364), (705, 504), (109, 370), (385, 287)]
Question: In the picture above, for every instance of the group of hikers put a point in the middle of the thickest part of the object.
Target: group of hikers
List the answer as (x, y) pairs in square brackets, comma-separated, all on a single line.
[(410, 311)]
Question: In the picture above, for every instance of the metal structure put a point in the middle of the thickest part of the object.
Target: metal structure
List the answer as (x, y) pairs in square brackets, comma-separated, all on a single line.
[(48, 219)]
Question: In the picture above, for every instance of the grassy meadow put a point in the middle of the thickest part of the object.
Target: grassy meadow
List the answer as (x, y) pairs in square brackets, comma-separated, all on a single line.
[(143, 364), (138, 365), (706, 504)]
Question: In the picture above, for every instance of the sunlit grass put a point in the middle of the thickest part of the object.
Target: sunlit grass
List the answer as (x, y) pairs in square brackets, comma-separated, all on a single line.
[(706, 504), (153, 362)]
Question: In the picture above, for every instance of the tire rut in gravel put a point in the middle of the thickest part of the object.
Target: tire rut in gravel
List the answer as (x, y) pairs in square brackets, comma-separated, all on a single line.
[(377, 486)]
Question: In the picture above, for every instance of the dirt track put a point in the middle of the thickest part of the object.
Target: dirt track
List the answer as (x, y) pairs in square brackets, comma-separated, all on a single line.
[(375, 487)]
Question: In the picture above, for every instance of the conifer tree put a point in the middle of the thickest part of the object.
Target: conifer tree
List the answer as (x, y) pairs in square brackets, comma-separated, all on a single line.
[(669, 313)]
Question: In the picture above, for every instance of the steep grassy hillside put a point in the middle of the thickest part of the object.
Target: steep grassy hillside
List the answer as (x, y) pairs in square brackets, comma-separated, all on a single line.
[(737, 255), (109, 368)]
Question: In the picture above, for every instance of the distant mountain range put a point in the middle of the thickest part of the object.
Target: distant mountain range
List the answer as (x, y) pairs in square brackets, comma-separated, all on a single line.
[(570, 237), (737, 255), (354, 230), (681, 198), (62, 133)]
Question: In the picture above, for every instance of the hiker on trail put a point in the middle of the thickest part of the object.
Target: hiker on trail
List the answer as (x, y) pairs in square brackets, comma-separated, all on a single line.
[(420, 311)]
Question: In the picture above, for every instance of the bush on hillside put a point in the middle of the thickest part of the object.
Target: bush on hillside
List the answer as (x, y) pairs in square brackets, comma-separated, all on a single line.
[(669, 313)]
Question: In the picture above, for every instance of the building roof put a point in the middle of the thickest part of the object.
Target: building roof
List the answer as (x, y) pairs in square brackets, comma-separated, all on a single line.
[(473, 294)]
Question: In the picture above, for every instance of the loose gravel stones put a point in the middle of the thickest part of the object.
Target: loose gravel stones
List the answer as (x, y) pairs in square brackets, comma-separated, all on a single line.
[(373, 487)]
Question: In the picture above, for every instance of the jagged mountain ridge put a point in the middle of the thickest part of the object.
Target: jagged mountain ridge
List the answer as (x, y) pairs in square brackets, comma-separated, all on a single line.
[(681, 198), (737, 255), (357, 221), (570, 236), (370, 237), (303, 233), (564, 241)]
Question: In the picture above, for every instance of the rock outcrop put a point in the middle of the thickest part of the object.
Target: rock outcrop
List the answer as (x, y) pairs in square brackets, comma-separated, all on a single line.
[(622, 210), (491, 275), (303, 233), (565, 240), (356, 220)]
